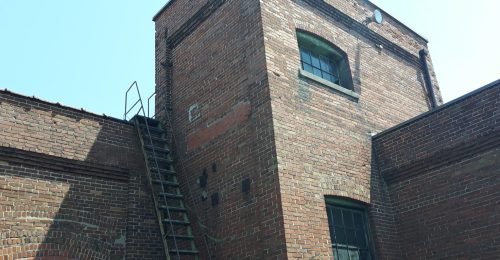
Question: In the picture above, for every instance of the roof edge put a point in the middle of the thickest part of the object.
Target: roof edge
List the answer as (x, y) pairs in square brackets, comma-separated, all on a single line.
[(165, 7), (398, 21), (57, 104), (493, 84)]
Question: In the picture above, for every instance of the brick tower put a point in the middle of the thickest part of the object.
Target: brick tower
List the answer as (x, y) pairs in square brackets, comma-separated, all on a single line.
[(272, 106)]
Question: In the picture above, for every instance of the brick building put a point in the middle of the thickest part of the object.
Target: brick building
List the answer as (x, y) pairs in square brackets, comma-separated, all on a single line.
[(299, 129)]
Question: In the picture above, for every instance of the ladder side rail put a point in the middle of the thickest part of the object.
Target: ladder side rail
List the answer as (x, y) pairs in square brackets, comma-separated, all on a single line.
[(158, 169)]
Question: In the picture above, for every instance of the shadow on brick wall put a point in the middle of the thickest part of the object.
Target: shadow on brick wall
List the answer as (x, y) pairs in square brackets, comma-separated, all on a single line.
[(55, 205), (381, 214)]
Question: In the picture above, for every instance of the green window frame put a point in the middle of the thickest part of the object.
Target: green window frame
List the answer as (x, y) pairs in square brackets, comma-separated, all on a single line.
[(322, 59), (349, 229)]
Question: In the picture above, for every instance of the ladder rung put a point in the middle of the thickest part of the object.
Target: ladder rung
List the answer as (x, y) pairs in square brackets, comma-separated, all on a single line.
[(177, 209), (154, 138), (164, 160), (151, 129), (169, 183), (157, 149), (183, 252), (181, 237), (170, 195), (163, 171), (177, 222)]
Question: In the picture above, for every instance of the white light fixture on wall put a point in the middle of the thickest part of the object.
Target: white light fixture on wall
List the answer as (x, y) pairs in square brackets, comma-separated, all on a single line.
[(376, 17)]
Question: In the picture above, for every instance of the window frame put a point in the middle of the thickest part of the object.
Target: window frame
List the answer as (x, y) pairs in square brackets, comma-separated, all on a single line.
[(316, 46), (355, 206)]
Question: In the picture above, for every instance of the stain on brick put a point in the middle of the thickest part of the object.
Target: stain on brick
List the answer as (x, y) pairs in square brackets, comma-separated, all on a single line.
[(238, 114)]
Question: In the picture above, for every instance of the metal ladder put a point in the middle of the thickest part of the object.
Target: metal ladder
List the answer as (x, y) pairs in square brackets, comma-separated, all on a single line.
[(175, 228)]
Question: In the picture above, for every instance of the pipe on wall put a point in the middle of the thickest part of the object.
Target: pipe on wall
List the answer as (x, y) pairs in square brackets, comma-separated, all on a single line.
[(427, 78)]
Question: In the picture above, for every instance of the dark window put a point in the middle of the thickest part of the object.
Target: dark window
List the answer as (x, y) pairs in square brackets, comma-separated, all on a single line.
[(348, 230), (318, 65), (324, 60)]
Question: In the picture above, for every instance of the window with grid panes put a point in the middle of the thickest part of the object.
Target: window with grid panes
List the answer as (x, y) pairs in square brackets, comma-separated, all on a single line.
[(348, 230), (324, 60), (319, 65)]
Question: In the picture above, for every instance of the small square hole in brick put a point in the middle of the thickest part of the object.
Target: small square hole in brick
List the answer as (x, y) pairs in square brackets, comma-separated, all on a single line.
[(245, 185), (215, 199), (214, 167), (203, 179)]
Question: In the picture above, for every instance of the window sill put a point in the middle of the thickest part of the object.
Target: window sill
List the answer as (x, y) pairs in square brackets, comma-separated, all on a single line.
[(328, 84)]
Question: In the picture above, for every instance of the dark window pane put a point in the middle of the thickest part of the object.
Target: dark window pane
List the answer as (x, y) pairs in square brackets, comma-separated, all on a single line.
[(307, 67), (304, 56), (348, 218), (351, 237), (325, 66), (340, 236), (363, 255), (327, 76), (337, 217), (358, 220), (335, 70), (315, 61), (360, 235), (317, 72), (335, 80)]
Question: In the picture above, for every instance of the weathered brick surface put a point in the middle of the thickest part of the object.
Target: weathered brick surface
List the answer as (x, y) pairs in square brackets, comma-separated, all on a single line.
[(442, 133), (442, 173), (178, 13), (72, 184), (220, 65), (322, 137), (316, 140)]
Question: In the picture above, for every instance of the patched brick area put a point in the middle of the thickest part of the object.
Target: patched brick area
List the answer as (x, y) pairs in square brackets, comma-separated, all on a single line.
[(238, 114), (217, 62), (72, 185)]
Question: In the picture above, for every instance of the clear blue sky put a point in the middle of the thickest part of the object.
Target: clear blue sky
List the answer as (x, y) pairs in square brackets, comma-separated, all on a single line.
[(86, 53)]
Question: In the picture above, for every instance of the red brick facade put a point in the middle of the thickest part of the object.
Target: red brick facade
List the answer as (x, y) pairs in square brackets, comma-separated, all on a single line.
[(442, 170), (323, 138), (269, 148), (302, 141), (216, 60), (72, 185)]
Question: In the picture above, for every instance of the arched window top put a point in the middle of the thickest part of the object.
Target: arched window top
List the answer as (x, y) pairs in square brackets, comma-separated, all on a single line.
[(323, 59)]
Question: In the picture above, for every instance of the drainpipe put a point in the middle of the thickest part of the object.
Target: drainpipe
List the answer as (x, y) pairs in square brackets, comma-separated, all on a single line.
[(427, 78)]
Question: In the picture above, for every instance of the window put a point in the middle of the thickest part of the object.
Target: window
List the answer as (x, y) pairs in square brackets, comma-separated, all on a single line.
[(321, 60), (348, 230), (319, 65)]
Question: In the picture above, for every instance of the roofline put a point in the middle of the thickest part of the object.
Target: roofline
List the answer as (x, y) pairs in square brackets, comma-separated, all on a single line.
[(81, 110), (169, 3), (493, 84), (165, 7), (398, 21)]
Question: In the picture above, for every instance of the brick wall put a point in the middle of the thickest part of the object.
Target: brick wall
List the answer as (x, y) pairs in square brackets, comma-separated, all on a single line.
[(442, 172), (322, 136), (316, 140), (72, 185), (218, 63)]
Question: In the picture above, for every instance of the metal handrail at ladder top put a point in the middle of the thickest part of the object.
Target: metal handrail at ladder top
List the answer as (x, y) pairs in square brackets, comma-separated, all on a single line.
[(141, 108)]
